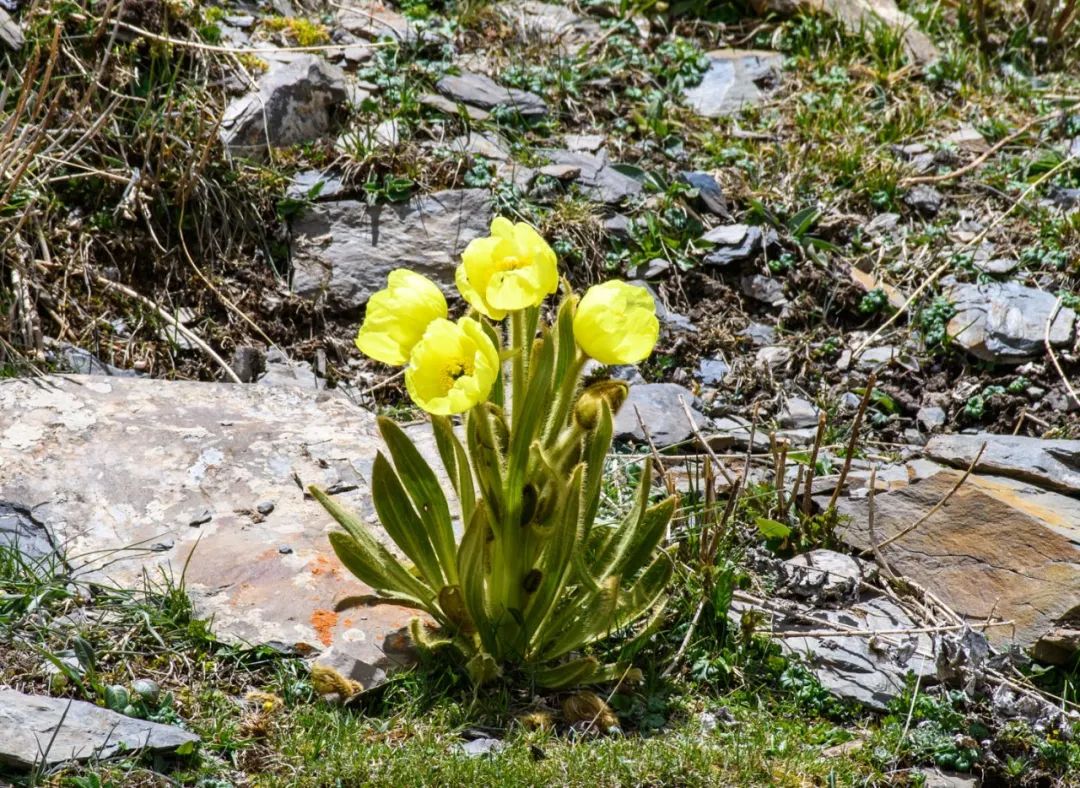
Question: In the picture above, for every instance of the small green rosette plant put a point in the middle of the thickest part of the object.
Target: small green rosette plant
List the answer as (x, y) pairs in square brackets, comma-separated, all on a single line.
[(533, 577)]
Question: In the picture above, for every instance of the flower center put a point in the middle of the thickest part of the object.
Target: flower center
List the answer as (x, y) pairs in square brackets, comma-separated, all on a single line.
[(455, 369), (511, 263)]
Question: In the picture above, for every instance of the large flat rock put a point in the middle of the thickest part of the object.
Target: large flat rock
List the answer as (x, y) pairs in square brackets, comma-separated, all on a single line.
[(1054, 464), (993, 549), (42, 731), (343, 251), (139, 475), (736, 79)]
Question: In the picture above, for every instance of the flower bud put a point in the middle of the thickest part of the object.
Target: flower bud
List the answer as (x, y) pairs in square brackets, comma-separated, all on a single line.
[(587, 410), (589, 709)]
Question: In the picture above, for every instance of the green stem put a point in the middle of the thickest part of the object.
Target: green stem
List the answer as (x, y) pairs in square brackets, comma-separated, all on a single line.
[(517, 346), (564, 399)]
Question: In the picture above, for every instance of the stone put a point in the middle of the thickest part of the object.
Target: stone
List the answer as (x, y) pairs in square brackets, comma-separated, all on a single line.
[(82, 362), (248, 362), (373, 20), (1054, 464), (280, 370), (584, 143), (736, 431), (477, 90), (1006, 322), (797, 413), (40, 731), (710, 195), (823, 575), (870, 671), (599, 180), (924, 199), (759, 334), (989, 551), (736, 78), (553, 25), (935, 778), (712, 371), (19, 529), (343, 251), (111, 465), (660, 406), (476, 748), (448, 107), (765, 289), (560, 172), (265, 508), (487, 144), (670, 320), (883, 224), (968, 138), (296, 102), (997, 266), (733, 243), (860, 17), (773, 356), (619, 226), (315, 185), (931, 419), (11, 34), (202, 518)]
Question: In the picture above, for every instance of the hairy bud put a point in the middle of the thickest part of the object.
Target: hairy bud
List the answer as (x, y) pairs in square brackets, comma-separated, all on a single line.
[(588, 408)]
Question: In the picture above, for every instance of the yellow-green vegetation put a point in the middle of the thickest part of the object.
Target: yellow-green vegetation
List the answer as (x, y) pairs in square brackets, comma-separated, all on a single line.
[(302, 32)]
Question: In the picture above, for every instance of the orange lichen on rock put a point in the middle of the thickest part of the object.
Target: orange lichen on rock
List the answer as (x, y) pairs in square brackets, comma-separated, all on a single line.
[(324, 622)]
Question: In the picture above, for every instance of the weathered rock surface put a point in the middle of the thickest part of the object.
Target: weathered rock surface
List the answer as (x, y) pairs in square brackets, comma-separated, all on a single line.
[(597, 177), (42, 731), (870, 671), (114, 466), (10, 33), (736, 78), (985, 553), (1007, 322), (342, 251), (555, 25), (20, 530), (477, 90), (296, 102), (823, 575), (373, 20), (859, 17), (1054, 464), (734, 243), (661, 412)]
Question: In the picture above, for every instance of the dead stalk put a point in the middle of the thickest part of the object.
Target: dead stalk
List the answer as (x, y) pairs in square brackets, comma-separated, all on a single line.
[(853, 440)]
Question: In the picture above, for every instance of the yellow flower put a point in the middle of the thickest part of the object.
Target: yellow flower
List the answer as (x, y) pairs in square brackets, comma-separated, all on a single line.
[(398, 316), (452, 368), (513, 268), (616, 323)]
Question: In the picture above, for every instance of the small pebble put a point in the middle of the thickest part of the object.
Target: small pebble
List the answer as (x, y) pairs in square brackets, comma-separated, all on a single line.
[(265, 507), (201, 519), (285, 550)]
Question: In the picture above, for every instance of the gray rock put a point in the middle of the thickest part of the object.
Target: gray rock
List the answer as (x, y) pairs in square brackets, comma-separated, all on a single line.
[(1054, 464), (736, 78), (372, 20), (935, 778), (823, 575), (925, 199), (587, 143), (759, 334), (476, 90), (883, 224), (554, 25), (43, 731), (599, 180), (997, 266), (476, 143), (560, 172), (734, 243), (797, 413), (712, 371), (248, 362), (476, 748), (661, 412), (774, 356), (343, 251), (296, 102), (448, 107), (265, 508), (10, 33), (202, 518), (931, 419), (83, 362), (870, 671), (618, 226), (737, 431), (20, 530), (177, 448), (1006, 322), (315, 185), (762, 288), (968, 138), (280, 370), (709, 192)]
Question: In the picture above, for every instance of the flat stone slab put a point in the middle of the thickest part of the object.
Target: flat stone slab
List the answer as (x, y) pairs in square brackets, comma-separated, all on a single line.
[(985, 553), (141, 475), (43, 731), (662, 413), (481, 91), (1054, 464), (598, 179), (736, 78), (343, 251)]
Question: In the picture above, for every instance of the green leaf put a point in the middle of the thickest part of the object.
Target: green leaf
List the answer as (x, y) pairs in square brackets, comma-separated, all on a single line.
[(456, 462), (186, 748), (568, 674), (597, 446), (473, 571), (426, 494), (382, 572), (402, 523), (590, 619), (771, 529), (529, 420)]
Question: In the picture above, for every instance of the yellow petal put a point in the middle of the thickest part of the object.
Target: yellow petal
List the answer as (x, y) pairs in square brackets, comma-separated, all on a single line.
[(452, 368), (615, 323), (397, 316)]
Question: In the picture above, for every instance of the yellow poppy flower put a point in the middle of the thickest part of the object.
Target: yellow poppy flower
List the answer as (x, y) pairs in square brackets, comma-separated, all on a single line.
[(397, 317), (452, 368), (615, 323), (511, 269)]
